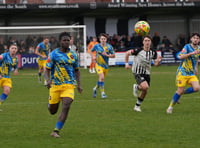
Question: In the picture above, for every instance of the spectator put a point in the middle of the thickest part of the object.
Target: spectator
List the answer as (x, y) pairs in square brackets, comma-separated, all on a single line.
[(71, 45), (34, 43), (129, 42), (1, 45), (114, 41), (29, 41), (156, 40), (40, 39), (31, 50), (181, 42), (54, 43), (22, 47), (122, 46), (137, 40), (124, 39), (167, 44), (5, 48)]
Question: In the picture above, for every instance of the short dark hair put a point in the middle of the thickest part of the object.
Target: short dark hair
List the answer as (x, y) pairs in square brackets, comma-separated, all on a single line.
[(45, 37), (195, 33), (64, 34), (147, 36), (103, 34), (13, 44)]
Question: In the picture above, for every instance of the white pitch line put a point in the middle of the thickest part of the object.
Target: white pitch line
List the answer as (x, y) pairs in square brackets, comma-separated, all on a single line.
[(99, 100)]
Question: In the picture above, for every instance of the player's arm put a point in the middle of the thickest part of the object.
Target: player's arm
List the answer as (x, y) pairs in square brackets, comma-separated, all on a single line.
[(185, 55), (196, 68), (157, 61), (77, 74), (127, 54), (38, 53), (47, 70), (16, 67), (78, 79), (47, 76), (91, 52), (111, 53)]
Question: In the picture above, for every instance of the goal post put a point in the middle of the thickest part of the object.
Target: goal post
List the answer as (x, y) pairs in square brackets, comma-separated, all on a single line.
[(22, 33)]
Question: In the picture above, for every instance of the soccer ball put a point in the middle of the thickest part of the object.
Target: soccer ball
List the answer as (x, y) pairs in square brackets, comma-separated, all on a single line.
[(142, 28)]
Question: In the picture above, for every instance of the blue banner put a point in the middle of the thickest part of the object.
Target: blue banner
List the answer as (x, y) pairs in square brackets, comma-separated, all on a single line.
[(28, 61)]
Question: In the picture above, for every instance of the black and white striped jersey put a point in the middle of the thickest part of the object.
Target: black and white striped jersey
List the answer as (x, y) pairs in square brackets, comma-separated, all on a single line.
[(142, 60)]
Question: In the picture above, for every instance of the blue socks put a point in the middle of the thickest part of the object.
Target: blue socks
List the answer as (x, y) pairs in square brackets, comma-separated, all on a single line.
[(59, 125), (176, 97), (3, 97), (189, 90)]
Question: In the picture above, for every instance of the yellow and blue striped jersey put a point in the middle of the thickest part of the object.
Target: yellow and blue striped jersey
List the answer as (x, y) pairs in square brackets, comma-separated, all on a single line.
[(7, 63), (102, 60), (62, 67), (187, 66), (43, 49)]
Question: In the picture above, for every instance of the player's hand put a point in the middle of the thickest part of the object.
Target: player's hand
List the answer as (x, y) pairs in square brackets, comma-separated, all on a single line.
[(44, 56), (48, 84), (195, 52), (159, 58), (105, 54), (15, 72), (127, 66), (80, 89), (0, 76)]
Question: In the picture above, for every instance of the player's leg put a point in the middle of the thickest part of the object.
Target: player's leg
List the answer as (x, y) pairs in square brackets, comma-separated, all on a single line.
[(6, 83), (99, 72), (175, 98), (143, 86), (180, 83), (43, 69), (66, 102), (4, 95), (194, 83), (40, 71), (67, 98), (90, 69), (93, 66), (103, 95)]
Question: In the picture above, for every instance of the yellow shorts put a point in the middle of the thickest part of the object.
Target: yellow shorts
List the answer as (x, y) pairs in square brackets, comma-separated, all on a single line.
[(100, 69), (181, 81), (6, 82), (57, 92), (41, 63)]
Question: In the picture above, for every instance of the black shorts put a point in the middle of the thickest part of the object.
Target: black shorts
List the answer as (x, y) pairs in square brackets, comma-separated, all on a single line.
[(141, 78)]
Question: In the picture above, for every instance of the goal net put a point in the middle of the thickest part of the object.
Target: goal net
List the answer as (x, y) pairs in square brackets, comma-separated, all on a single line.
[(28, 38)]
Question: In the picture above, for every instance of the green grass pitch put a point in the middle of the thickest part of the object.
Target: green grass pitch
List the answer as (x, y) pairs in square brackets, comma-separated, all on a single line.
[(95, 123)]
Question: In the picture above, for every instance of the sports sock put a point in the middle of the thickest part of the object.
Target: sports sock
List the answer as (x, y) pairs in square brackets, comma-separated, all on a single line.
[(39, 74), (189, 90), (3, 97), (139, 101), (174, 99), (91, 66), (59, 125), (102, 86), (98, 84)]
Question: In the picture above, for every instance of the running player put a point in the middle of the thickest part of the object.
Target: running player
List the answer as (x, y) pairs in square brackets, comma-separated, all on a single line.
[(104, 51), (63, 65), (8, 61), (42, 50), (187, 71), (141, 68), (90, 46)]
